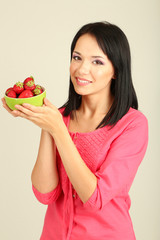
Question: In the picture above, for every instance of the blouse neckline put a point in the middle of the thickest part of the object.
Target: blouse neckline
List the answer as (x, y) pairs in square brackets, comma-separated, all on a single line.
[(84, 133), (91, 132)]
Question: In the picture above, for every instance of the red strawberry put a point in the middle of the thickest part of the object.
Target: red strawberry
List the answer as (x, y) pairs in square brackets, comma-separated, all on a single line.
[(8, 90), (11, 93), (26, 94), (29, 83), (28, 79), (18, 87), (38, 90)]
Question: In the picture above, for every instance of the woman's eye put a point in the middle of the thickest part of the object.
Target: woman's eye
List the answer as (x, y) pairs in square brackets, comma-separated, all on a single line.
[(98, 62), (76, 58)]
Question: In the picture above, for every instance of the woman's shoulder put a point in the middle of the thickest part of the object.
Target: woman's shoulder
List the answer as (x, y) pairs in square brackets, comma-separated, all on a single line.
[(136, 115), (133, 118), (133, 124)]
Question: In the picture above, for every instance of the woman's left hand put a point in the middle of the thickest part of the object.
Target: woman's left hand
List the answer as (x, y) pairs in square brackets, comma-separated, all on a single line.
[(46, 117)]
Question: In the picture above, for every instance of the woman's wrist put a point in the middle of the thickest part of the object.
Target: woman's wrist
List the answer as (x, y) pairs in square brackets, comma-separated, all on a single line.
[(61, 129)]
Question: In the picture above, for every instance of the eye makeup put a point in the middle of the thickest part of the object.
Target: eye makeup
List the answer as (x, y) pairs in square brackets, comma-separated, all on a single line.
[(96, 61), (76, 57)]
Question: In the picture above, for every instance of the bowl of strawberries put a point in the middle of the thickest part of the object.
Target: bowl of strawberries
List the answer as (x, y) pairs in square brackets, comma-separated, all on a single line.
[(25, 92)]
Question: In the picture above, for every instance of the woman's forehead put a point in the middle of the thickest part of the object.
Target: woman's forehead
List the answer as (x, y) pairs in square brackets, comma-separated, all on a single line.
[(87, 45)]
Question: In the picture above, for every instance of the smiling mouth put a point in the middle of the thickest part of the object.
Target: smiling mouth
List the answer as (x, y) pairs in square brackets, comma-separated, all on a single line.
[(82, 81)]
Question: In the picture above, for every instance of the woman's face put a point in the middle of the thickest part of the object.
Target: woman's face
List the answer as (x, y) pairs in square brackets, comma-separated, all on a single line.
[(90, 69)]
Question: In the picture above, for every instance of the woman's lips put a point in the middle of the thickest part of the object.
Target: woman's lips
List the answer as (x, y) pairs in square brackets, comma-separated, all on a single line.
[(82, 81)]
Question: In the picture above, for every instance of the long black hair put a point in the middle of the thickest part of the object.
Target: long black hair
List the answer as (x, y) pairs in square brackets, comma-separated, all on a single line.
[(113, 42)]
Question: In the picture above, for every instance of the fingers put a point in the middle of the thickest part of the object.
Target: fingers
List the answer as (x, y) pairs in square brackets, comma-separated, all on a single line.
[(17, 113), (22, 110), (5, 105), (14, 113), (28, 111), (32, 112), (47, 102), (31, 107), (7, 108)]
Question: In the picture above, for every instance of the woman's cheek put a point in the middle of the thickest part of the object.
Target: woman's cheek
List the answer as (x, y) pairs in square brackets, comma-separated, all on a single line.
[(72, 69)]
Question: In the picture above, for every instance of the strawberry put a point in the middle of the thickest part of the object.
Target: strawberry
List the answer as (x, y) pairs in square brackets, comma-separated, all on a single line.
[(38, 90), (8, 90), (38, 86), (26, 94), (18, 87), (29, 83), (28, 79), (11, 93)]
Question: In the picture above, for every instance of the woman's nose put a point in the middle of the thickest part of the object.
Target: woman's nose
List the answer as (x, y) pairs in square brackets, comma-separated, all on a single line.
[(84, 68)]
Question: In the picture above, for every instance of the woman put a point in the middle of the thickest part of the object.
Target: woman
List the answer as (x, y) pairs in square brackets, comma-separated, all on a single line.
[(90, 148)]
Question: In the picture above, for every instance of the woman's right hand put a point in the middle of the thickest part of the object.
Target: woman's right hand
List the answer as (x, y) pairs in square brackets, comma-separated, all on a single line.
[(47, 117)]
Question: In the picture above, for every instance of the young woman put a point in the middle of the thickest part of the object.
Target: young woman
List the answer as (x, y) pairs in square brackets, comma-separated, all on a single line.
[(90, 148)]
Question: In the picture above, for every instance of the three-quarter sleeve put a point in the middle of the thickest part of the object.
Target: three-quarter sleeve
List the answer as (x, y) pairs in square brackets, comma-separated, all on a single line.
[(117, 172), (47, 198)]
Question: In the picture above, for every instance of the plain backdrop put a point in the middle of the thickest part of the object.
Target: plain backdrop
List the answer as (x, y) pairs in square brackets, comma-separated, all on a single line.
[(35, 38)]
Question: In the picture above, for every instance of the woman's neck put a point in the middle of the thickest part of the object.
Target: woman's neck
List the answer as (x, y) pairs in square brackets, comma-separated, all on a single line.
[(92, 107)]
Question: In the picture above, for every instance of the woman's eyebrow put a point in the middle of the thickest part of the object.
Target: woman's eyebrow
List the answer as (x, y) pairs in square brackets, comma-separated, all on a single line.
[(91, 56)]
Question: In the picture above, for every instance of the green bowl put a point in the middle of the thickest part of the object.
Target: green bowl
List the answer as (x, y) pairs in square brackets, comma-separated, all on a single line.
[(36, 100)]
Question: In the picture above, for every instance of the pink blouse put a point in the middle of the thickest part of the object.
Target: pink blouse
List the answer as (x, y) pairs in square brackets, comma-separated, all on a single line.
[(114, 157)]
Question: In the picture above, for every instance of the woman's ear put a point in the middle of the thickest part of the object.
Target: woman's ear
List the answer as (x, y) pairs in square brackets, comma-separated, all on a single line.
[(114, 76)]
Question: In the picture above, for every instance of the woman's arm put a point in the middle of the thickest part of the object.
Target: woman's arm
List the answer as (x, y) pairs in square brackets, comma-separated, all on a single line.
[(44, 175), (122, 161), (50, 119), (81, 177)]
